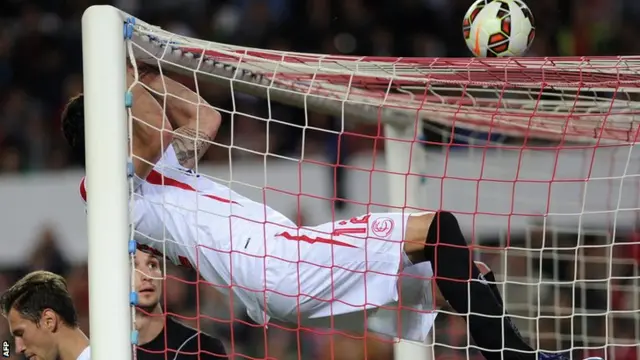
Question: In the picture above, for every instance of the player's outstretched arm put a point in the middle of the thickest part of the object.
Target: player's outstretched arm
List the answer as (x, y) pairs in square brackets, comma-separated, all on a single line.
[(195, 121), (151, 133)]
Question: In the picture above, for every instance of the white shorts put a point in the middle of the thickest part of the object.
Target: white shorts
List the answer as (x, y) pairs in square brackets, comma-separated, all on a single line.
[(340, 274)]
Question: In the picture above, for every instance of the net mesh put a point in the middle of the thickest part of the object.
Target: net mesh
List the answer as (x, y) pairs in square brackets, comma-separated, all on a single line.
[(536, 156)]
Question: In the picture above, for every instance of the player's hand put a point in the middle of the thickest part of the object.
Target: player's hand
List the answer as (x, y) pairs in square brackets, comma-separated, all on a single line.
[(142, 69)]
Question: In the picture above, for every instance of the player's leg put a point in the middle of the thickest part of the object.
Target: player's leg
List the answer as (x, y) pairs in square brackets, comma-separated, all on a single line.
[(486, 271), (437, 238), (489, 276)]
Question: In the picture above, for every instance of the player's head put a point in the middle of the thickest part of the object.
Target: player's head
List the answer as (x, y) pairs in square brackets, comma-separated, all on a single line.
[(73, 127), (39, 309), (148, 281)]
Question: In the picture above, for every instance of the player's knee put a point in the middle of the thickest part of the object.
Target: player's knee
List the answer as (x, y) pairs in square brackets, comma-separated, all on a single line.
[(428, 229), (444, 229)]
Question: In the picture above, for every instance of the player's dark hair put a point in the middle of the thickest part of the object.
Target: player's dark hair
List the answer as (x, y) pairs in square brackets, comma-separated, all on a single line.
[(37, 292), (73, 127)]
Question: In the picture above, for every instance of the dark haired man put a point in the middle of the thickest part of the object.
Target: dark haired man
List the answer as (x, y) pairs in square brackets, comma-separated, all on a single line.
[(160, 336), (43, 319)]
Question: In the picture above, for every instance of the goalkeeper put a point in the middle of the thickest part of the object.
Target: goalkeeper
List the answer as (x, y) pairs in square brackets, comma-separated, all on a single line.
[(312, 276)]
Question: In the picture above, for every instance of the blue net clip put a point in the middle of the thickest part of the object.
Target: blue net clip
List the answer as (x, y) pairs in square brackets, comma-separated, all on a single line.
[(134, 337), (128, 27), (133, 245), (133, 298), (128, 99), (130, 169)]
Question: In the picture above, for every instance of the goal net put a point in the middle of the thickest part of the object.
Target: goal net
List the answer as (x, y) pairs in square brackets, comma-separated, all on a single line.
[(535, 156)]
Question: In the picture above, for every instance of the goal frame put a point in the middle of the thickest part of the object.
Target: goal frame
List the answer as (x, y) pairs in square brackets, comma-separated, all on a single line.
[(103, 43), (104, 36), (103, 39), (586, 118)]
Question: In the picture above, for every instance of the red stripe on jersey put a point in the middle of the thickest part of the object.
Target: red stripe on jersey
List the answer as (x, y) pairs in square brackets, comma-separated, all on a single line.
[(83, 190), (313, 240), (155, 178)]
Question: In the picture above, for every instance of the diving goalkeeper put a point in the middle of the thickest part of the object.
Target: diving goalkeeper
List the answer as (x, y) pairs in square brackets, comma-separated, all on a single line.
[(311, 276)]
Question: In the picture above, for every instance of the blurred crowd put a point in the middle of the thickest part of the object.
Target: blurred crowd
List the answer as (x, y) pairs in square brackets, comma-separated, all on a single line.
[(41, 55), (41, 67)]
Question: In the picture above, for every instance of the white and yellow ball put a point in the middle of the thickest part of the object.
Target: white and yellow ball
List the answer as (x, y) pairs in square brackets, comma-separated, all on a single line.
[(496, 28)]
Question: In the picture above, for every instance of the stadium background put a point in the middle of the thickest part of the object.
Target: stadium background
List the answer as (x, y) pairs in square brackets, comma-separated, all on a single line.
[(40, 67)]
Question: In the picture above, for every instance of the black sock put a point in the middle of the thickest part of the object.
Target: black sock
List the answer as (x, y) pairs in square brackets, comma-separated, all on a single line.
[(453, 266), (491, 279)]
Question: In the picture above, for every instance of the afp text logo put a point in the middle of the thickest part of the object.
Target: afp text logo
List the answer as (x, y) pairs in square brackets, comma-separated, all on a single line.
[(6, 349)]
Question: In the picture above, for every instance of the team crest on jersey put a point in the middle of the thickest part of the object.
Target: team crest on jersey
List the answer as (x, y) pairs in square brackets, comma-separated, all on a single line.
[(382, 227)]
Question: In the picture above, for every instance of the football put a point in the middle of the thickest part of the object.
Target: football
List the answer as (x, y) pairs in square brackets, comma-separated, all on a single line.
[(496, 28)]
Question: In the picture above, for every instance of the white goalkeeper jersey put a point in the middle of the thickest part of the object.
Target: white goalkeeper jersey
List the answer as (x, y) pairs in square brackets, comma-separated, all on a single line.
[(188, 218)]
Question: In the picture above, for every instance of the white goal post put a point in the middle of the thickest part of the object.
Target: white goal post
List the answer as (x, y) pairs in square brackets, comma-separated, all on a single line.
[(588, 107), (106, 131)]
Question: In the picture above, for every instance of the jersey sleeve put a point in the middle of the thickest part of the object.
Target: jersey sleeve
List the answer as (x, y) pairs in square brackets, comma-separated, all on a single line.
[(162, 217), (163, 237), (137, 183), (169, 159)]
